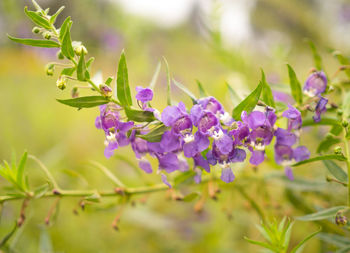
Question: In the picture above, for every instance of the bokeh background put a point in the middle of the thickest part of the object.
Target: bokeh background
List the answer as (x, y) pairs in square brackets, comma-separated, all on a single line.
[(212, 41)]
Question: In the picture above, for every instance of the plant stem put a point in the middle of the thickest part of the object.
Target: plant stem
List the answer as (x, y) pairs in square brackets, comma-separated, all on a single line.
[(347, 154)]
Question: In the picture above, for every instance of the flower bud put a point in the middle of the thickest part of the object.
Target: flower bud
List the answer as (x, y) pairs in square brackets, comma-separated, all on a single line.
[(75, 92), (345, 123), (105, 90), (339, 112), (36, 29), (340, 219), (50, 68), (79, 48), (338, 150), (60, 56), (47, 35), (61, 82)]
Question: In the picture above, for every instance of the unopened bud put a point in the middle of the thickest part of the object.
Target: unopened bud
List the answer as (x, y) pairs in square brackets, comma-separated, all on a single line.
[(79, 48), (345, 123), (75, 92), (60, 56), (105, 90), (340, 219), (61, 82), (50, 68), (36, 29), (338, 150), (339, 112), (47, 35)]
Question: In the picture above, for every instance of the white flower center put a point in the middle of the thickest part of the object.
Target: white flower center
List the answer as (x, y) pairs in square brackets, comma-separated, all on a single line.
[(111, 137), (258, 146), (217, 135), (225, 118), (287, 163), (188, 138), (225, 165), (310, 92)]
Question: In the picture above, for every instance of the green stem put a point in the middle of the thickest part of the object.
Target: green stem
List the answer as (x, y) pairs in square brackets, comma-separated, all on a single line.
[(347, 154)]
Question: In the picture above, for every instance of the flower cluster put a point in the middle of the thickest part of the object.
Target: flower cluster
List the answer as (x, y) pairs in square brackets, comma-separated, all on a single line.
[(208, 135)]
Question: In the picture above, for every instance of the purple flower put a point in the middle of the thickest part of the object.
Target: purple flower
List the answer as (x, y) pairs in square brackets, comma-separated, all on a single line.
[(294, 118), (257, 157), (282, 97), (320, 108), (227, 175), (212, 105), (240, 133), (283, 137), (168, 162), (315, 84), (177, 118), (199, 161), (165, 180), (145, 165), (144, 94), (192, 145)]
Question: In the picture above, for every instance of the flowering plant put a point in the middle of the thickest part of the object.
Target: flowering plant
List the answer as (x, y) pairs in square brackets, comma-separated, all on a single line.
[(201, 143)]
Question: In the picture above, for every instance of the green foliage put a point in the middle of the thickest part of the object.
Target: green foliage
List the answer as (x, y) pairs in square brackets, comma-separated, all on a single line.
[(202, 92), (38, 19), (191, 197), (186, 91), (320, 158), (65, 38), (323, 214), (267, 95), (336, 171), (316, 55), (85, 102), (139, 116), (82, 73), (249, 103), (325, 145), (156, 134), (295, 86), (155, 76), (234, 96), (323, 122), (54, 16), (123, 89), (34, 42), (168, 78)]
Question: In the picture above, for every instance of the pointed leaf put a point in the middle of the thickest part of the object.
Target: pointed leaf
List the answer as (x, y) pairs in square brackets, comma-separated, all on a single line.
[(248, 103), (35, 43), (66, 48), (262, 244), (139, 116), (267, 95), (300, 244), (54, 16), (320, 158), (234, 96), (202, 92), (8, 236), (190, 197), (184, 177), (41, 190), (20, 169), (325, 145), (336, 171), (68, 71), (38, 19), (168, 82), (323, 122), (316, 55), (123, 89), (155, 135), (295, 86), (81, 69), (155, 76), (334, 239), (321, 215), (187, 91), (85, 102)]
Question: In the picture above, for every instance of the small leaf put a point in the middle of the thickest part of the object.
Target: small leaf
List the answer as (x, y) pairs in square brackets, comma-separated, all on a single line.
[(190, 197), (202, 92), (139, 116), (346, 106), (35, 43), (155, 76), (68, 71), (66, 48), (325, 145), (168, 78), (336, 171), (295, 249), (155, 135), (267, 95), (321, 215), (295, 86), (184, 177), (320, 158), (234, 96), (262, 244), (109, 81), (123, 89), (20, 169), (336, 130), (184, 89), (41, 190), (342, 60), (248, 104), (324, 122), (36, 5), (81, 69), (8, 236), (337, 240), (54, 16), (96, 197), (316, 55), (85, 102), (89, 62), (38, 19)]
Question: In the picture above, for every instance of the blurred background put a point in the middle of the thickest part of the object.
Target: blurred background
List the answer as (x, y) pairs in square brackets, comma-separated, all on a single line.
[(212, 41)]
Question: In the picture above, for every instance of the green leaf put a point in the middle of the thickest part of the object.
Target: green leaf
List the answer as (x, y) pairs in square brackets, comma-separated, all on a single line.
[(325, 145), (168, 78), (41, 190), (66, 48), (109, 81), (81, 69), (139, 116), (85, 102), (35, 43), (89, 62), (190, 197), (337, 240), (295, 249), (295, 86), (38, 19), (187, 91), (234, 96), (316, 55), (184, 177), (36, 5), (155, 135), (248, 103), (320, 158), (262, 244), (267, 95), (202, 92), (20, 169), (54, 16), (68, 71), (336, 171), (342, 60), (123, 89), (8, 236), (155, 76), (343, 250), (321, 215), (336, 130), (323, 122), (346, 105)]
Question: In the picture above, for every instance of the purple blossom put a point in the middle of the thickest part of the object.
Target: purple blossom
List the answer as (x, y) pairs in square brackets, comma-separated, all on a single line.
[(212, 105), (315, 84), (165, 180), (320, 108), (144, 94), (168, 162), (294, 118), (145, 165), (282, 97)]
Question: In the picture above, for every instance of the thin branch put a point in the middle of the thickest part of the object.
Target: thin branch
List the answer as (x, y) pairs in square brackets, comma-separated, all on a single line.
[(47, 172), (109, 174)]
